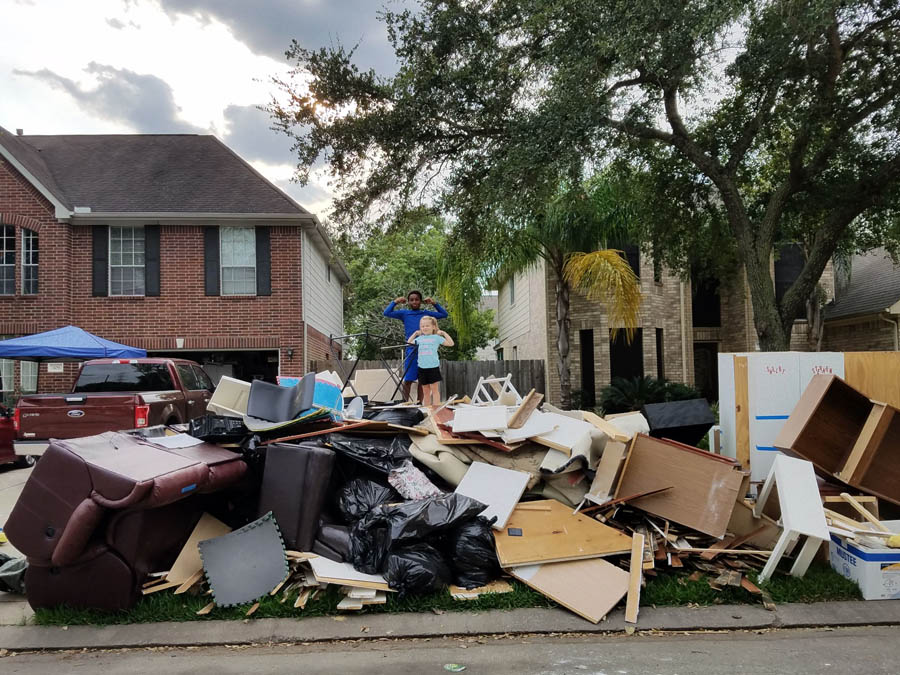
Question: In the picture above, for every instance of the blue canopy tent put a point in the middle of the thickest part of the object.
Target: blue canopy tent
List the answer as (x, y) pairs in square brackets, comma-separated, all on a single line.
[(65, 344)]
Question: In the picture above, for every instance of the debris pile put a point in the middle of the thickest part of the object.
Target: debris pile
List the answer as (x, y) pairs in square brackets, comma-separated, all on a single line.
[(286, 489)]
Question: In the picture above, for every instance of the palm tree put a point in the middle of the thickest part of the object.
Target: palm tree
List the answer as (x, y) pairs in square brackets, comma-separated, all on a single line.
[(571, 235)]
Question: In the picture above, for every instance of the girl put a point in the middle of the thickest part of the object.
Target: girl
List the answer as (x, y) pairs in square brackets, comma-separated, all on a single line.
[(428, 338)]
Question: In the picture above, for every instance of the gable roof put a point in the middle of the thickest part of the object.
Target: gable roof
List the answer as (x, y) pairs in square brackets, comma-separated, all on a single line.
[(153, 173), (874, 286)]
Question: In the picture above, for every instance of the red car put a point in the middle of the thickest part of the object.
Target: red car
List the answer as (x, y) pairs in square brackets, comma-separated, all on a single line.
[(7, 437)]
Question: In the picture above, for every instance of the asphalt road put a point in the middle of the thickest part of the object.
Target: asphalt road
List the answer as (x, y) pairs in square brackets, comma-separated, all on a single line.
[(845, 650), (11, 483)]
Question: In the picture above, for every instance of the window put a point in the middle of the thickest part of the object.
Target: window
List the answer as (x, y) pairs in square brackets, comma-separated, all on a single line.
[(28, 376), (515, 353), (660, 355), (130, 377), (205, 382), (512, 290), (626, 359), (7, 373), (126, 261), (499, 352), (238, 252), (328, 273), (7, 260), (29, 262), (188, 377)]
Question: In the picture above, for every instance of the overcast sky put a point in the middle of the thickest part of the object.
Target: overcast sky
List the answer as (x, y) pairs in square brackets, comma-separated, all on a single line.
[(173, 66)]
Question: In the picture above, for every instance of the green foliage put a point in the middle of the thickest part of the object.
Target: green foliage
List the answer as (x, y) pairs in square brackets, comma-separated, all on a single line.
[(624, 395), (390, 264), (738, 126)]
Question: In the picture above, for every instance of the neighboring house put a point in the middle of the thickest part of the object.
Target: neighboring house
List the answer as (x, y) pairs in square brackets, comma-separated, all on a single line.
[(488, 301), (172, 243), (865, 313), (662, 345)]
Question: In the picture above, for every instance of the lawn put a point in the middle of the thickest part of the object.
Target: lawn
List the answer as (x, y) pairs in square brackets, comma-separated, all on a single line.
[(821, 584)]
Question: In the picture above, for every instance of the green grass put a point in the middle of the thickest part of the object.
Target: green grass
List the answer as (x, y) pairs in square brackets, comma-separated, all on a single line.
[(821, 584)]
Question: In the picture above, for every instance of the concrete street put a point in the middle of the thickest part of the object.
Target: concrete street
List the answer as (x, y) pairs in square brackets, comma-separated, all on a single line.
[(870, 650), (13, 609)]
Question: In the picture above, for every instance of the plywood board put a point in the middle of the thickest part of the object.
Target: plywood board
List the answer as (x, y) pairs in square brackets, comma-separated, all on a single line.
[(329, 571), (742, 410), (590, 588), (567, 433), (188, 561), (704, 486), (501, 489), (556, 535), (875, 374), (479, 419)]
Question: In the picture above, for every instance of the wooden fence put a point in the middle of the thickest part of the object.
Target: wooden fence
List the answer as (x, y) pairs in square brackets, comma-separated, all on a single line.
[(460, 377)]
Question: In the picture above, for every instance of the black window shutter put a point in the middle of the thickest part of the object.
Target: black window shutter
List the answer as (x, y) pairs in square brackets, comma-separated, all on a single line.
[(263, 262), (211, 259), (100, 261), (151, 260)]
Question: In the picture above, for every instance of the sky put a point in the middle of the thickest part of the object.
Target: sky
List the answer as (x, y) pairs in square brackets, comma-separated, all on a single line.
[(175, 66)]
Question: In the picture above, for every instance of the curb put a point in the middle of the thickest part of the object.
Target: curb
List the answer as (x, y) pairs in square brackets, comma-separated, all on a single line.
[(428, 625)]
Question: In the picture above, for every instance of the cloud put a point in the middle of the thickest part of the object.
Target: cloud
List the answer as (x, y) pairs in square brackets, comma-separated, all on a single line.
[(249, 134), (115, 23), (143, 102), (267, 28)]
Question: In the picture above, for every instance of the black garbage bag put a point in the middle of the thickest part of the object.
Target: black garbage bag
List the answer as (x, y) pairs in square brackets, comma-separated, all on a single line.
[(417, 569), (386, 527), (406, 416), (12, 574), (218, 429), (379, 453), (472, 553), (332, 542), (361, 495)]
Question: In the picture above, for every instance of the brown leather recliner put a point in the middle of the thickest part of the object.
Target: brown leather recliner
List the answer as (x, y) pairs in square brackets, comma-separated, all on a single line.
[(99, 513)]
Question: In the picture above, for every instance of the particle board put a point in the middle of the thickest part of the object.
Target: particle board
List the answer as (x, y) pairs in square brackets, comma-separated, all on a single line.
[(704, 490), (500, 489), (533, 536), (188, 561), (590, 588), (343, 574)]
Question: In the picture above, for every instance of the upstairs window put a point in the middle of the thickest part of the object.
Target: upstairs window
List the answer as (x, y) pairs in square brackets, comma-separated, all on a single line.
[(29, 262), (238, 252), (126, 261), (7, 260)]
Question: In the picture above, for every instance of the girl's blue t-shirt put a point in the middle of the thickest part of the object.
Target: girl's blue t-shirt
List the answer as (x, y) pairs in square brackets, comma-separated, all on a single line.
[(428, 350)]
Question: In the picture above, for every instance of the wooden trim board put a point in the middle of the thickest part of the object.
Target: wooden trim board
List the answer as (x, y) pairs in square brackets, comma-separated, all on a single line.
[(590, 588), (742, 410), (635, 575), (556, 535), (529, 404)]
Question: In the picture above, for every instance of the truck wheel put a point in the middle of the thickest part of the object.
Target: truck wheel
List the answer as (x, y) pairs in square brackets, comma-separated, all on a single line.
[(25, 462)]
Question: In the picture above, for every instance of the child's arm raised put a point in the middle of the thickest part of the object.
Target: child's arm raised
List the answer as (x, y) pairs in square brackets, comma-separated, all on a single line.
[(412, 338), (448, 341)]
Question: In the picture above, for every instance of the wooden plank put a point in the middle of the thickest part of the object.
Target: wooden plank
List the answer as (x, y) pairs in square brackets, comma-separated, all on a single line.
[(628, 498), (161, 587), (864, 512), (553, 536), (742, 410), (189, 582), (867, 444), (603, 485), (705, 487), (835, 503), (632, 602), (875, 374), (302, 598), (590, 588), (608, 428), (206, 609)]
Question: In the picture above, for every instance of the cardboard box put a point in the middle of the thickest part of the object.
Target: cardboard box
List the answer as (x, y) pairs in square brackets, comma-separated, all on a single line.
[(875, 569)]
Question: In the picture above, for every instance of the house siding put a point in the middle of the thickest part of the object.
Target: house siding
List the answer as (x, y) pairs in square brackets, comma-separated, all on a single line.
[(523, 324), (182, 310), (323, 299)]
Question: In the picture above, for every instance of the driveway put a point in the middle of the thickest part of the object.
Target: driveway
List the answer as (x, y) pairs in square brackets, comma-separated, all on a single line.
[(13, 608)]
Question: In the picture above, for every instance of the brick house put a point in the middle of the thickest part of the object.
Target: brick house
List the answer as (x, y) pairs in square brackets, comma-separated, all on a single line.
[(171, 243), (662, 346)]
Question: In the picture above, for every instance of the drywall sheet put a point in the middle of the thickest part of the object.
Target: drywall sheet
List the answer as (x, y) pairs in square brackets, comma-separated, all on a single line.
[(188, 561), (590, 588), (567, 434), (343, 574), (704, 487), (479, 419), (500, 489), (539, 423), (548, 531)]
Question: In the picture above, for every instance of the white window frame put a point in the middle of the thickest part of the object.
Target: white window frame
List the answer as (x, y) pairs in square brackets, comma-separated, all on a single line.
[(7, 375), (28, 381), (222, 266), (27, 255), (142, 266), (3, 251)]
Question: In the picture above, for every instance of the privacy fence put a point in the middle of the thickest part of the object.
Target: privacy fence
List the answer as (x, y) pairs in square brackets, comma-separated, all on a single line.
[(460, 377)]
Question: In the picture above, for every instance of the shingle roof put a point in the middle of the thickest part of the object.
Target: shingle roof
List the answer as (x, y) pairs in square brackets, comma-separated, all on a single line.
[(177, 173), (874, 286)]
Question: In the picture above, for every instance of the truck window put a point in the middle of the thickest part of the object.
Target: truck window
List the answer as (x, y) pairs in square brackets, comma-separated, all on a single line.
[(124, 377), (188, 378), (203, 378)]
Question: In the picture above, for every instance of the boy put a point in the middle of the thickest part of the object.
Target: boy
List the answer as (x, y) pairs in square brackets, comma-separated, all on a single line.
[(411, 318)]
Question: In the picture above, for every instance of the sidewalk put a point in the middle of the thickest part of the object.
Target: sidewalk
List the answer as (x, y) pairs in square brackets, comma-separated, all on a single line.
[(393, 626)]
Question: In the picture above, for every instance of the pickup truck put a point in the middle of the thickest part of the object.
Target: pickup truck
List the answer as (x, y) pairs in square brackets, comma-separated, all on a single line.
[(113, 395)]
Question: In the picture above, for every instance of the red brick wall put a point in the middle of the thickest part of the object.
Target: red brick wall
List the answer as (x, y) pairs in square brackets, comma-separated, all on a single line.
[(182, 310), (318, 347)]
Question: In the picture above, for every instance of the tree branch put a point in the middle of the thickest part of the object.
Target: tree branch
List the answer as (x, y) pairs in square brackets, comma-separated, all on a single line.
[(751, 129)]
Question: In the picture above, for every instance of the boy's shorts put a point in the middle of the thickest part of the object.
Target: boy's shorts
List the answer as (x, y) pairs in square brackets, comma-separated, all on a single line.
[(429, 375)]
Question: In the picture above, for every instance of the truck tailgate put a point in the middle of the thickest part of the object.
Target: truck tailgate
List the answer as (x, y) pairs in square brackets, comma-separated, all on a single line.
[(74, 415)]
